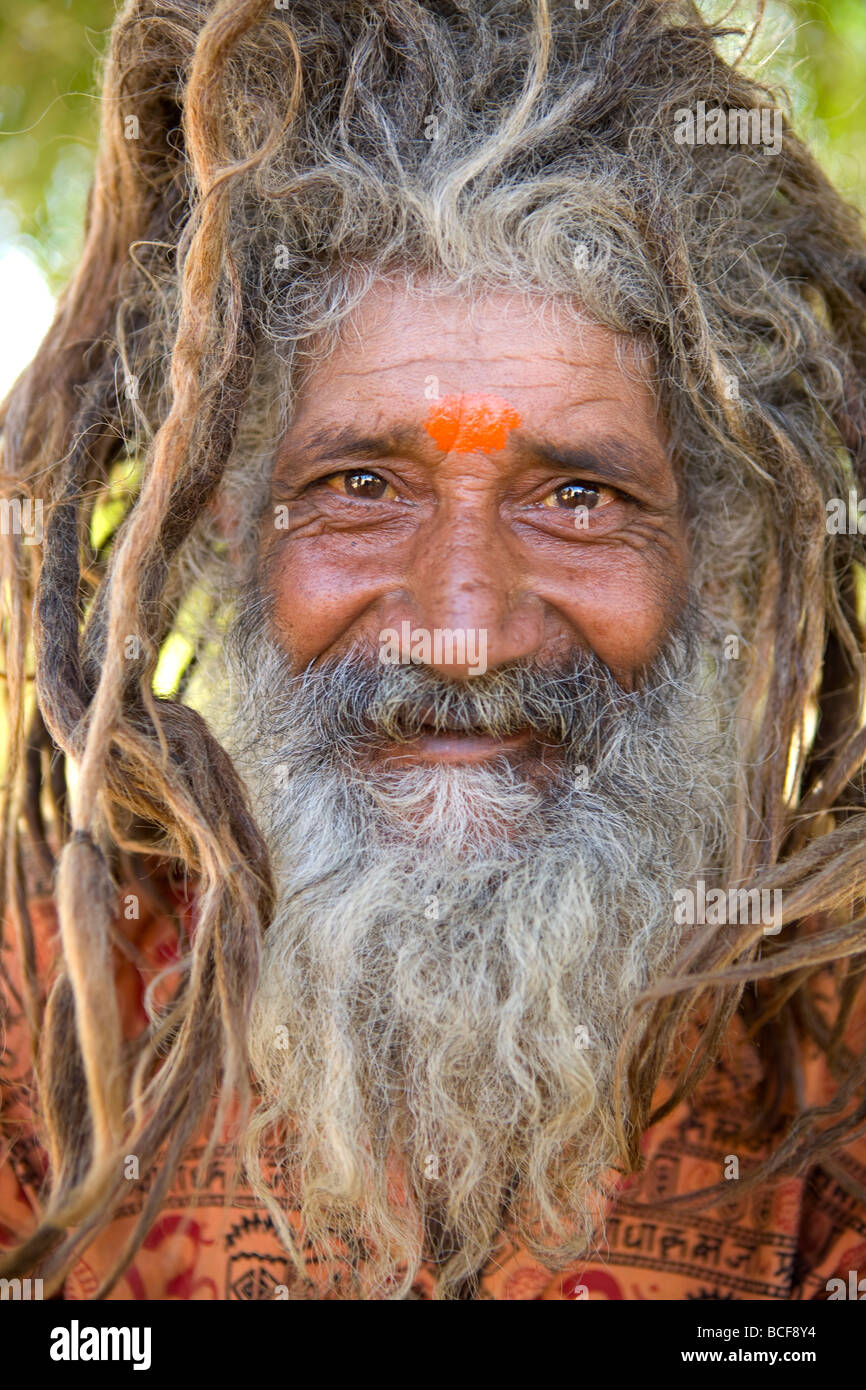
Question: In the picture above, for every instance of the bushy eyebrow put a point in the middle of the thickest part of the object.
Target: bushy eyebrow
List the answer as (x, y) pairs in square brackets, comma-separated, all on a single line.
[(612, 460), (617, 461), (344, 443)]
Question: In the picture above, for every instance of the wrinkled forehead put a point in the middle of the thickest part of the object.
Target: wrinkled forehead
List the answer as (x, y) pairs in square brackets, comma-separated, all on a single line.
[(408, 343)]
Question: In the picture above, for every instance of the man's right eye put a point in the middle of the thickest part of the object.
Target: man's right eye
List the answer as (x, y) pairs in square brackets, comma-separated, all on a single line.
[(362, 484)]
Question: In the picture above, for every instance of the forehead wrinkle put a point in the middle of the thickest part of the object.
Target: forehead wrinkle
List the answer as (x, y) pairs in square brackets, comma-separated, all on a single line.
[(559, 358), (409, 429), (381, 368)]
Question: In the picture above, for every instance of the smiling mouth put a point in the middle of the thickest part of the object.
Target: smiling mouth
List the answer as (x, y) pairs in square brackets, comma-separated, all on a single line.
[(433, 743)]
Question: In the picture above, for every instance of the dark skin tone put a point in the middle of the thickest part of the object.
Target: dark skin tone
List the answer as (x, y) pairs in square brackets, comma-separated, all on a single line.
[(385, 526)]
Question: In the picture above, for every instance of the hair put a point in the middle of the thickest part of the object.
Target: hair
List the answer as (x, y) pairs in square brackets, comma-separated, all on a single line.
[(262, 166), (443, 935)]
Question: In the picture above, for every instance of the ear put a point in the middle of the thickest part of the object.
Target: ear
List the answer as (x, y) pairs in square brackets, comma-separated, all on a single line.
[(227, 521)]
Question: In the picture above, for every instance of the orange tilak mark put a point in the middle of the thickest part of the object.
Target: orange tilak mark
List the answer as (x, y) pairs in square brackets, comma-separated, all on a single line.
[(465, 423)]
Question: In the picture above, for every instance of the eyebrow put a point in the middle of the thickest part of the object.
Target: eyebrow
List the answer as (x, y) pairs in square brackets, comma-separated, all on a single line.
[(344, 442), (611, 459), (614, 460)]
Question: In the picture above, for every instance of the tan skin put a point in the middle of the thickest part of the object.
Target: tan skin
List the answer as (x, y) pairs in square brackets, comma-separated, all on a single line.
[(400, 529)]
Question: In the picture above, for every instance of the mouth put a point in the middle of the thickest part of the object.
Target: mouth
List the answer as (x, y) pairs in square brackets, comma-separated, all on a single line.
[(448, 742)]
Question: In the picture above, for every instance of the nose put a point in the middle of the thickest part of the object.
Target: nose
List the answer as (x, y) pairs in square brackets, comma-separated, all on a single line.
[(467, 597)]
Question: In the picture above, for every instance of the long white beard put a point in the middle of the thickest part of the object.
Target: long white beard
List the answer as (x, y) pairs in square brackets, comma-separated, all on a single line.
[(454, 959)]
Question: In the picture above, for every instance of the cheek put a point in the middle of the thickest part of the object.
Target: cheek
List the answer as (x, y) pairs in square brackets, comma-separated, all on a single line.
[(321, 592), (623, 606)]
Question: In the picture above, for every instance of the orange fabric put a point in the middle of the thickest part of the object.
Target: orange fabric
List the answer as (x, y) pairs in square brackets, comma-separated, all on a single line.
[(773, 1244)]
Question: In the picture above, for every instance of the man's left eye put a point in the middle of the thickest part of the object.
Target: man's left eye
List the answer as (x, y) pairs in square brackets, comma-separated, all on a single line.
[(570, 496), (362, 483)]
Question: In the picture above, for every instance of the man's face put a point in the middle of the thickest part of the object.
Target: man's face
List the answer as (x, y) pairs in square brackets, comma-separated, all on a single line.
[(458, 943), (486, 473)]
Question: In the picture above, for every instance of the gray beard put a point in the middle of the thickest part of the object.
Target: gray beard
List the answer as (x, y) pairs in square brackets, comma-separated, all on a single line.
[(456, 951)]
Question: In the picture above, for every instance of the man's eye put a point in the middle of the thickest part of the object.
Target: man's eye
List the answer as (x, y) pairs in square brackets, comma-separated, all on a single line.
[(361, 483), (570, 496)]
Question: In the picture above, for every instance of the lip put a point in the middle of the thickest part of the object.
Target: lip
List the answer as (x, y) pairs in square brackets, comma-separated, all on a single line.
[(457, 748)]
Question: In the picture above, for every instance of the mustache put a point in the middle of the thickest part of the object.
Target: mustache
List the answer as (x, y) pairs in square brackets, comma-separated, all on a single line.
[(355, 699), (368, 701)]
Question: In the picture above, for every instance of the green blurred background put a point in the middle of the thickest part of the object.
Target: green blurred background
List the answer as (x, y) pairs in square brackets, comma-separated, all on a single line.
[(49, 116)]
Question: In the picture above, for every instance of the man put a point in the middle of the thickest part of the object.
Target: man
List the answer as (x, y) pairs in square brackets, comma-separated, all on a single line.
[(480, 915)]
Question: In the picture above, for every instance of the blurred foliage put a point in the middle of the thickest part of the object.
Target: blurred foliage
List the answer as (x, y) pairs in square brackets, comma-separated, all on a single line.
[(831, 53), (49, 122), (815, 51), (49, 110)]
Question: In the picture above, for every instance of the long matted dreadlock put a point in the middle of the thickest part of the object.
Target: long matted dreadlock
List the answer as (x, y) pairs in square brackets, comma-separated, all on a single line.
[(261, 165)]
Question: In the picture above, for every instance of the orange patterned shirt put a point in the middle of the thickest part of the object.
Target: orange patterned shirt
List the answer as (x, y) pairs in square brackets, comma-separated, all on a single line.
[(784, 1242)]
